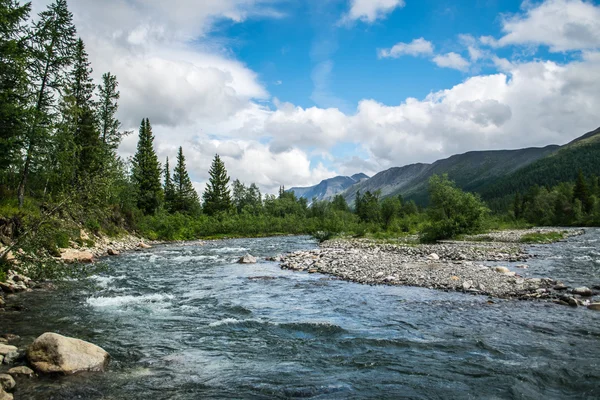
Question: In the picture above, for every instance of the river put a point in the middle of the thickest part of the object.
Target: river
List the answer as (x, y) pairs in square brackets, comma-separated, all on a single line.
[(187, 322)]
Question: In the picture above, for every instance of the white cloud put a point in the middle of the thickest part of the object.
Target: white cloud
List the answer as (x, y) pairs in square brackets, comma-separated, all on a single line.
[(371, 10), (417, 47), (562, 25), (451, 60)]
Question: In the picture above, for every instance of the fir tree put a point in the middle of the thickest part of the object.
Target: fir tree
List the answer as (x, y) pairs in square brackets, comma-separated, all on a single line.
[(107, 110), (186, 198), (582, 193), (216, 196), (169, 189), (146, 171), (81, 89), (14, 81), (53, 41)]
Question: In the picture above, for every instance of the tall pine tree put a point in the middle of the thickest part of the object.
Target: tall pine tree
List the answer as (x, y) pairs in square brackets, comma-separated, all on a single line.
[(217, 198), (186, 198), (107, 110), (169, 189), (14, 58), (53, 41), (81, 89), (146, 171), (581, 192)]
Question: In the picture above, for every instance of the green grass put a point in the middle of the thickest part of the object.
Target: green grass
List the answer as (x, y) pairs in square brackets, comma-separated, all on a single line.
[(541, 238)]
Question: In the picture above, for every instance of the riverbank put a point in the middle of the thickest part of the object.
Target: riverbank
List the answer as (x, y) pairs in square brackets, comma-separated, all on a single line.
[(462, 266)]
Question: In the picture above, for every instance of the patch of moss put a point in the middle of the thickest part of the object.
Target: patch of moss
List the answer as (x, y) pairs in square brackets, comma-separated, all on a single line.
[(542, 238)]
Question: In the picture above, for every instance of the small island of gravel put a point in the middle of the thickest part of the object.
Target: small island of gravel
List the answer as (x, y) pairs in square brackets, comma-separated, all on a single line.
[(450, 266)]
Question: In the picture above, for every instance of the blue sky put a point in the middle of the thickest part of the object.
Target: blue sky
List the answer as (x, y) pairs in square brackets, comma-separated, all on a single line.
[(291, 92)]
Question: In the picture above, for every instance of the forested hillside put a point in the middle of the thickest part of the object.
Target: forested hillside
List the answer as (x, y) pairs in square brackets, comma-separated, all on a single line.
[(583, 154)]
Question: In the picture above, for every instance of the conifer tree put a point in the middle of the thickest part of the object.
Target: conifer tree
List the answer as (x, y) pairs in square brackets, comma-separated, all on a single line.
[(216, 197), (52, 46), (81, 89), (581, 192), (107, 111), (146, 171), (169, 189), (14, 58), (186, 198)]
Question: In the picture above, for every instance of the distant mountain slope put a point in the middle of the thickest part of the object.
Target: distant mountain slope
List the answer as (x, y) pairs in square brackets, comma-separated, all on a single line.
[(329, 187), (470, 171), (561, 166)]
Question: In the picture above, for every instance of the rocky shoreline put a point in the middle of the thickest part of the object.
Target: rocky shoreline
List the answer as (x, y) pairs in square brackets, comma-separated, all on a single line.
[(448, 266)]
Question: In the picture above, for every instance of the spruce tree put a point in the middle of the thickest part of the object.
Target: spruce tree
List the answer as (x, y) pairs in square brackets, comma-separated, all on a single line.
[(107, 111), (581, 192), (186, 198), (216, 196), (169, 189), (146, 171), (81, 89), (14, 58), (52, 44)]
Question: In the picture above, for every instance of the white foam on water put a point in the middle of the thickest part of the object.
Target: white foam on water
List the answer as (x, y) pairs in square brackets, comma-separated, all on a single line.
[(582, 258), (182, 259), (120, 301), (231, 249), (104, 281), (226, 321)]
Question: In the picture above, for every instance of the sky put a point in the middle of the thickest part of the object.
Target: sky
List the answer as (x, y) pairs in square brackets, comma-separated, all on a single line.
[(290, 92)]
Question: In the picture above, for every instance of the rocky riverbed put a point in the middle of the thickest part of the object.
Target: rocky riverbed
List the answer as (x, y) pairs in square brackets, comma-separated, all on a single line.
[(449, 266)]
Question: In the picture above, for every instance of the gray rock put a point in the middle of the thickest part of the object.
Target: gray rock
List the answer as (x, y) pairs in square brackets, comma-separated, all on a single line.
[(594, 306), (5, 396), (6, 348), (501, 270), (7, 382), (51, 353), (13, 356), (22, 370), (467, 285), (247, 259), (583, 291)]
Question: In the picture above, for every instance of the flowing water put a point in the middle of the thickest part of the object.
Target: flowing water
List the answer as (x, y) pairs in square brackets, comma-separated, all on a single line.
[(186, 322)]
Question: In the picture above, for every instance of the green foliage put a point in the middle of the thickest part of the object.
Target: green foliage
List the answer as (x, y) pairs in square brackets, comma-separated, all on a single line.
[(146, 171), (217, 198), (542, 238), (452, 212), (184, 196)]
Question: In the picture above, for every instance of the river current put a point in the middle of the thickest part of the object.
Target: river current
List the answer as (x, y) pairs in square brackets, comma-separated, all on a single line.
[(187, 322)]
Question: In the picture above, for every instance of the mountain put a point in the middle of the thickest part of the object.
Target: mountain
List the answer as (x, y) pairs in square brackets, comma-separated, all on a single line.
[(329, 187), (561, 166), (492, 173)]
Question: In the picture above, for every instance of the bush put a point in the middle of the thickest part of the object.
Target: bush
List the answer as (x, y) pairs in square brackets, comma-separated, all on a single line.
[(452, 212)]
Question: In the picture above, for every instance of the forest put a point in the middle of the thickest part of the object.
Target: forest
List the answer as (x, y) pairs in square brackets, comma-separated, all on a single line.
[(60, 170)]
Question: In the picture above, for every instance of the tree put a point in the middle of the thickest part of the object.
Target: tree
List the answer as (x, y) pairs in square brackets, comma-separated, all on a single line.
[(146, 171), (582, 193), (81, 108), (367, 207), (52, 46), (339, 203), (216, 197), (108, 106), (240, 193), (390, 209), (452, 212), (169, 189), (186, 198), (14, 58)]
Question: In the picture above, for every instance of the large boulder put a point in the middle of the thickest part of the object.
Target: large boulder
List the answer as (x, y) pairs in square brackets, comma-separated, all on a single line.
[(74, 256), (247, 259), (52, 353), (21, 371)]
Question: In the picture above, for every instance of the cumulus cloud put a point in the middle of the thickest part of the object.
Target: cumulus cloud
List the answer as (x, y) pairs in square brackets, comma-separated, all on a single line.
[(370, 10), (417, 47), (562, 25), (451, 60)]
